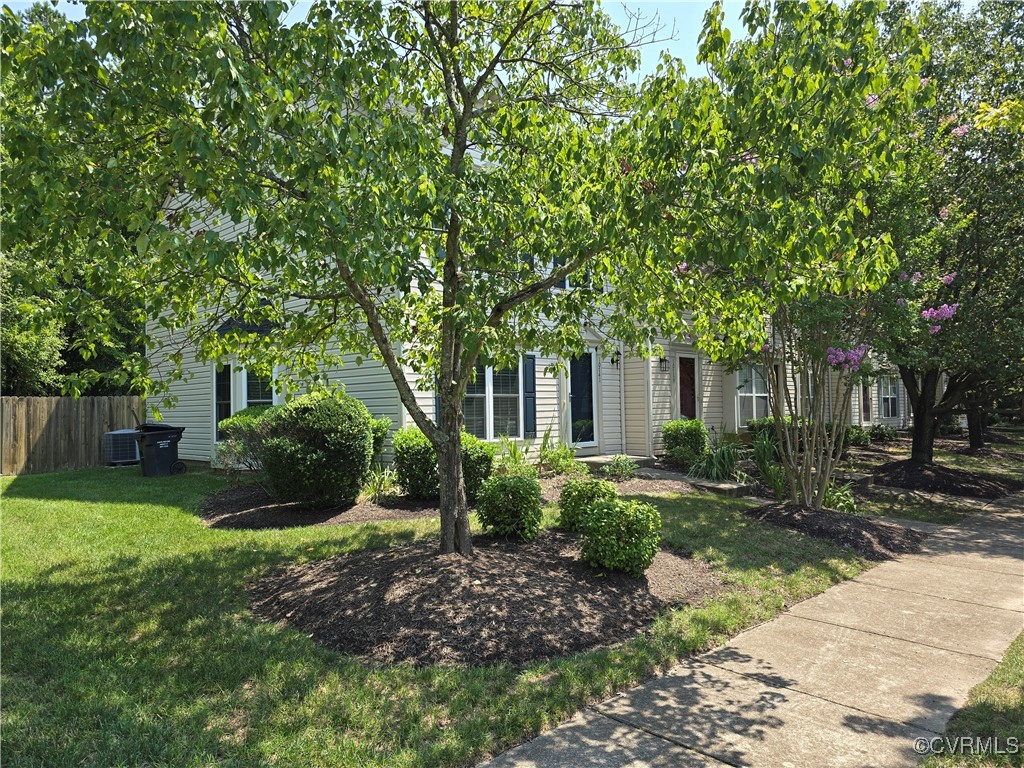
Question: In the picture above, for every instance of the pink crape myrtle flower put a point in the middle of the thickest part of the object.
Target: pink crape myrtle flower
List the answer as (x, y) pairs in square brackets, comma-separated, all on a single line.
[(872, 101), (900, 302), (948, 279), (682, 267), (848, 360), (943, 213), (934, 328), (915, 278), (961, 130), (904, 276), (944, 312)]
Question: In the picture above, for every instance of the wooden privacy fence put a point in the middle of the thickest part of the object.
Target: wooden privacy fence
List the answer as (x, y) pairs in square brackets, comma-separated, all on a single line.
[(47, 434)]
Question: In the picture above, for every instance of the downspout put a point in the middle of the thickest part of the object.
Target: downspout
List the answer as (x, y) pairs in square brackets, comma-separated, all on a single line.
[(649, 395), (622, 398)]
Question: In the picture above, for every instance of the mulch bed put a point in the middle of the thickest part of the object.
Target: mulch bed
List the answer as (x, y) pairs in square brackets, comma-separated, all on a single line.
[(874, 539), (511, 602), (936, 478), (249, 506)]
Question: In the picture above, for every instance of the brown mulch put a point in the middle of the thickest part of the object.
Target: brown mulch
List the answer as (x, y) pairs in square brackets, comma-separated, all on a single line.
[(874, 539), (511, 602), (551, 487), (249, 506), (936, 478)]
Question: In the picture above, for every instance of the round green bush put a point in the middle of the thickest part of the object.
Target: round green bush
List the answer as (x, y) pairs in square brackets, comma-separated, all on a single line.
[(691, 434), (317, 449), (509, 505), (379, 430), (416, 464), (621, 535), (578, 496), (243, 436)]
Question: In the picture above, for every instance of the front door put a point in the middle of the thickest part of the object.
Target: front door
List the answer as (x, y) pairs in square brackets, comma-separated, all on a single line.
[(688, 387), (582, 426)]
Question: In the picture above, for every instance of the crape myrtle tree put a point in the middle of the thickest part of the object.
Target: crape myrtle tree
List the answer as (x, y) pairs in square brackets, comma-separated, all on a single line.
[(952, 317), (758, 172), (406, 181)]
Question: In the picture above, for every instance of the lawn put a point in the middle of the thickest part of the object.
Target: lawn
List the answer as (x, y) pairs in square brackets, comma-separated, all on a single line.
[(994, 709), (914, 505), (128, 639)]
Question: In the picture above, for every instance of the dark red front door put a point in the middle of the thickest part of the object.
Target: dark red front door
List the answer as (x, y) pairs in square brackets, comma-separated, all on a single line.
[(688, 387)]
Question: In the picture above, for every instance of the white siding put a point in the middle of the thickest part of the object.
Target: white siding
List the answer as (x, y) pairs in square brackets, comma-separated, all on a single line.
[(711, 381)]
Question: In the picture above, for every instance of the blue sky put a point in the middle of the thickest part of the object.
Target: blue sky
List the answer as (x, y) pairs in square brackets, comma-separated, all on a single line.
[(682, 23)]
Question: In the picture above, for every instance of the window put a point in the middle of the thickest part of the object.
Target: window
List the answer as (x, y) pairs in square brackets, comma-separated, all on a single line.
[(474, 406), (889, 397), (752, 394), (258, 391), (493, 403), (505, 395), (222, 398)]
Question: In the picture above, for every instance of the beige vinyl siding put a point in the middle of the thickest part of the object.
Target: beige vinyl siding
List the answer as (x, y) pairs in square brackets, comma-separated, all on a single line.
[(610, 406), (193, 397), (661, 400), (710, 381), (634, 371)]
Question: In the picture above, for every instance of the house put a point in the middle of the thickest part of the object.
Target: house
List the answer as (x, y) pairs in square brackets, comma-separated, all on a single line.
[(604, 404)]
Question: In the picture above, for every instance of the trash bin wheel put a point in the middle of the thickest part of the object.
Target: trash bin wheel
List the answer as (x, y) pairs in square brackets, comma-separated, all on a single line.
[(178, 468)]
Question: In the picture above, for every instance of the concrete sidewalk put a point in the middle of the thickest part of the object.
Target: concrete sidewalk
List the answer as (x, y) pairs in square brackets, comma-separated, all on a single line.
[(848, 678)]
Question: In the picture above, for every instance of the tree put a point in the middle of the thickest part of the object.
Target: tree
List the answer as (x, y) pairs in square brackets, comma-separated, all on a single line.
[(953, 320), (758, 175), (401, 176), (45, 351)]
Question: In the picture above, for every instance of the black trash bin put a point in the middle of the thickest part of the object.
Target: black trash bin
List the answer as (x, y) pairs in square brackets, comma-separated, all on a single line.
[(158, 447)]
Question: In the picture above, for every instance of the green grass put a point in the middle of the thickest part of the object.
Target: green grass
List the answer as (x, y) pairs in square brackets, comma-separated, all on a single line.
[(995, 708), (911, 505), (128, 640)]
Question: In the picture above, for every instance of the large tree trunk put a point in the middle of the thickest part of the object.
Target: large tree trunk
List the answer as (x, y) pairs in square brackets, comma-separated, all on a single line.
[(922, 402), (976, 426), (455, 534)]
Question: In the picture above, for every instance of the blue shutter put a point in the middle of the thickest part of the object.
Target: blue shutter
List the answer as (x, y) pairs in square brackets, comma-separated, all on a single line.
[(530, 396)]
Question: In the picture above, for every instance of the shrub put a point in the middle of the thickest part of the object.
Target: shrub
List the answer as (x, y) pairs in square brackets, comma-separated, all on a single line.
[(859, 435), (514, 460), (765, 424), (559, 458), (620, 467), (718, 462), (882, 433), (381, 483), (766, 459), (840, 498), (843, 445), (379, 430), (509, 505), (317, 448), (416, 464), (682, 456), (578, 496), (621, 535), (685, 433), (243, 438)]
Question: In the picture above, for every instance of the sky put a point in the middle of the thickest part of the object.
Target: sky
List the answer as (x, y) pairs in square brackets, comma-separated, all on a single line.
[(681, 23)]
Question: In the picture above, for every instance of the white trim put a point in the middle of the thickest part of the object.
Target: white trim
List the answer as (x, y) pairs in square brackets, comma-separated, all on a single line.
[(491, 437)]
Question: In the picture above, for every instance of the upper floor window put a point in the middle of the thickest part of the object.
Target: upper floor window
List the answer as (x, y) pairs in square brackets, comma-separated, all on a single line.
[(752, 394)]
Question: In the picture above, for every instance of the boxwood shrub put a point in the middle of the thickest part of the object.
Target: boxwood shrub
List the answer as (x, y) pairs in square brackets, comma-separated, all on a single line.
[(509, 505), (621, 535), (379, 430), (416, 464), (317, 448), (580, 495), (691, 434)]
